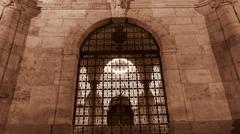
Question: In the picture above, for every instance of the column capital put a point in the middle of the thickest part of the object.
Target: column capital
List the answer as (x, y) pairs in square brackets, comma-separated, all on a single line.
[(218, 3), (29, 7), (5, 2), (206, 6)]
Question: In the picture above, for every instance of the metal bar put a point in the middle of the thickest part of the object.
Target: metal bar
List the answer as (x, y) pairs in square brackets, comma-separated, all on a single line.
[(121, 101)]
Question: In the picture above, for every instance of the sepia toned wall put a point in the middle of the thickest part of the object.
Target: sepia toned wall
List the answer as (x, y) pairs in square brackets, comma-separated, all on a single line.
[(199, 47)]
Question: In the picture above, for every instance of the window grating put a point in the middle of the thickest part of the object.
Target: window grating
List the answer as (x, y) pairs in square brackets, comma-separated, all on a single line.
[(120, 87)]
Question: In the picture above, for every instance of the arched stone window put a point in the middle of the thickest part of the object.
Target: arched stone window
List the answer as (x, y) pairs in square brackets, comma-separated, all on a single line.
[(120, 86)]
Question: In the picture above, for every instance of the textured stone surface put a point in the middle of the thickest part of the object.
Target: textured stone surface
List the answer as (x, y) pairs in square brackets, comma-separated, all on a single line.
[(201, 71)]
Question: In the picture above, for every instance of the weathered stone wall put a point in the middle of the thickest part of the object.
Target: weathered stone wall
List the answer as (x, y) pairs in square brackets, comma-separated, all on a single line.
[(14, 24), (43, 101), (223, 24)]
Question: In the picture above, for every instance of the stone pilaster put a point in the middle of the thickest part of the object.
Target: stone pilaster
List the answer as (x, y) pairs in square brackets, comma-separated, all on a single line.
[(9, 23), (223, 20), (230, 24), (14, 23)]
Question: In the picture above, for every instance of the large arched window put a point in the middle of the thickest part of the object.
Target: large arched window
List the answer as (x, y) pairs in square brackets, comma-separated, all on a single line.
[(120, 86)]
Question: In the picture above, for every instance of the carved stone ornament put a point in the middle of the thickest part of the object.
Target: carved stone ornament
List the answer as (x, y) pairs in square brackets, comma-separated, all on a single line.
[(6, 2), (206, 6), (217, 3), (119, 7)]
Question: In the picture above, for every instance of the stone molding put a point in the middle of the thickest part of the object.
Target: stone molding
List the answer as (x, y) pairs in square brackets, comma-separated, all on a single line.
[(217, 3), (107, 6), (207, 6)]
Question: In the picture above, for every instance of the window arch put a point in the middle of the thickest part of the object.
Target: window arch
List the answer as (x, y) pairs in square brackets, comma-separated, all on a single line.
[(120, 83)]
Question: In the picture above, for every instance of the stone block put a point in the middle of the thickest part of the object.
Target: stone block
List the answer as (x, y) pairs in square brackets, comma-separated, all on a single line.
[(6, 33), (44, 78), (218, 36), (238, 68), (10, 77), (191, 50), (33, 42), (20, 39), (18, 50), (68, 75), (231, 30), (29, 129), (183, 29), (168, 44), (181, 127), (172, 76), (33, 30), (175, 93), (65, 108), (169, 20), (9, 18), (198, 20), (228, 8), (198, 76), (191, 61), (71, 22), (215, 72), (170, 61), (204, 110), (234, 50), (186, 40), (4, 44), (217, 91), (70, 63), (228, 73), (197, 91), (214, 26), (53, 42), (186, 12), (164, 12), (228, 18), (25, 77), (203, 39), (207, 128), (62, 129), (51, 14), (3, 58), (41, 109), (212, 16), (53, 22), (74, 13), (183, 20), (54, 31), (14, 62), (1, 71), (222, 55)]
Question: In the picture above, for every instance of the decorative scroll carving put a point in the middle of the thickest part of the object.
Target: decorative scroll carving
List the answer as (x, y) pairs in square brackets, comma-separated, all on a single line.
[(119, 7)]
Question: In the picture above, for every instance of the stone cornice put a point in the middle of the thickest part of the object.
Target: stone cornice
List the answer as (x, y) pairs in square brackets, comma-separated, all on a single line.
[(215, 3), (105, 6)]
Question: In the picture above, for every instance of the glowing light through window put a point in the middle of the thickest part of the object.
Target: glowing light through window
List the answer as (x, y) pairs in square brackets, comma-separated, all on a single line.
[(119, 66)]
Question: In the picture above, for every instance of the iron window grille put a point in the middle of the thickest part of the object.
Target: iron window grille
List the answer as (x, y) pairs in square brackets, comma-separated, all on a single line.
[(120, 87)]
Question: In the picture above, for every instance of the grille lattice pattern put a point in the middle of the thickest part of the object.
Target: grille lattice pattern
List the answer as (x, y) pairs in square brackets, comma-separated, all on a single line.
[(120, 87)]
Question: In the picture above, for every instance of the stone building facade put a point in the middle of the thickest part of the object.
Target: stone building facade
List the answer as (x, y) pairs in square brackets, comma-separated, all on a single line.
[(199, 43)]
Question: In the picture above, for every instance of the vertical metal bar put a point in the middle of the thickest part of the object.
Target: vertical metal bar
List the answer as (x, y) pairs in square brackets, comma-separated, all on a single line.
[(137, 42)]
